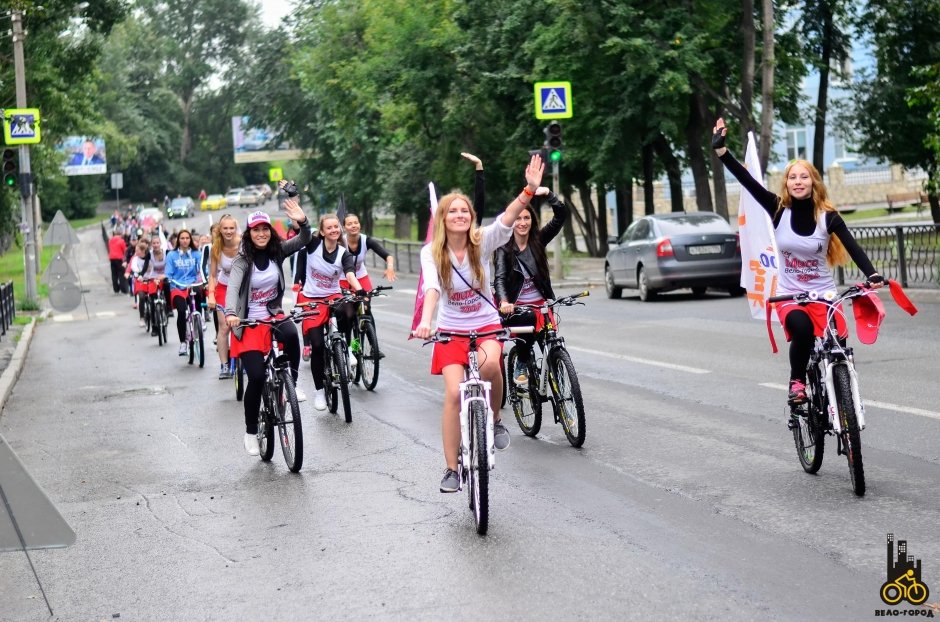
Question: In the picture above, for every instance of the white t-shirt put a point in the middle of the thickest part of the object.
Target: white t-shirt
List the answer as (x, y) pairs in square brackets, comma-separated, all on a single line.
[(322, 277), (804, 267), (361, 257), (461, 308), (225, 268), (263, 289), (157, 266), (529, 292)]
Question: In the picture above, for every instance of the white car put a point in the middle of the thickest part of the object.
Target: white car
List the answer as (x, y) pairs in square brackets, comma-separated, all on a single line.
[(250, 197), (233, 197)]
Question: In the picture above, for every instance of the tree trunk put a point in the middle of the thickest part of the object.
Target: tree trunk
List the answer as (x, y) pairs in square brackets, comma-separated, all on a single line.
[(767, 78), (649, 206), (568, 228), (624, 198), (694, 131), (403, 226), (935, 210), (595, 235), (673, 171), (186, 106), (718, 170), (819, 136), (748, 38)]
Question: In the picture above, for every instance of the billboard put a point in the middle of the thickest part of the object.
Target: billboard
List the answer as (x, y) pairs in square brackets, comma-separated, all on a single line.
[(259, 145), (83, 155)]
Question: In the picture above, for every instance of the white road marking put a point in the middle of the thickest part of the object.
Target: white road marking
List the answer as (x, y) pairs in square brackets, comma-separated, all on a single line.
[(908, 410), (405, 291), (634, 359), (67, 317), (106, 314)]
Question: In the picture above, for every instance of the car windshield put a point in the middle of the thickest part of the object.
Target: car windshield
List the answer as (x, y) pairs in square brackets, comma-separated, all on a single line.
[(179, 202), (693, 223)]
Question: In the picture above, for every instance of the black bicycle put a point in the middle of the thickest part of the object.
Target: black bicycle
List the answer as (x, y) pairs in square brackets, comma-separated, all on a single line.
[(195, 327), (336, 374), (365, 342), (833, 405), (551, 377), (155, 317), (279, 408)]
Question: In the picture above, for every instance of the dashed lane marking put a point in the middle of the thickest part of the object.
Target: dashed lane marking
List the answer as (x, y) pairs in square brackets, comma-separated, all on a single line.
[(641, 361), (908, 410)]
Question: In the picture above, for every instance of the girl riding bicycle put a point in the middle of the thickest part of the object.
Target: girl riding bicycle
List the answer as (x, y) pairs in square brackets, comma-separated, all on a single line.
[(225, 241), (255, 291), (522, 275), (183, 268), (455, 266), (136, 267), (319, 271), (811, 237)]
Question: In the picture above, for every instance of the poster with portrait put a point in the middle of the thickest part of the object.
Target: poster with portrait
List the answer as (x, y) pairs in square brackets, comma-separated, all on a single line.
[(259, 145), (83, 155)]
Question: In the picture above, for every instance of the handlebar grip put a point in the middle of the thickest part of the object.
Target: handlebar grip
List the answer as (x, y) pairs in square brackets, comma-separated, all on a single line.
[(521, 329)]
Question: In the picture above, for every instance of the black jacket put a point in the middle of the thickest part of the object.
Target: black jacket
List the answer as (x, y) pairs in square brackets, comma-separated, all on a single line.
[(508, 274)]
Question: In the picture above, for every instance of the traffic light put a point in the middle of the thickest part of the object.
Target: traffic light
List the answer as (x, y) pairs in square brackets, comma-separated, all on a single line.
[(553, 140), (9, 168)]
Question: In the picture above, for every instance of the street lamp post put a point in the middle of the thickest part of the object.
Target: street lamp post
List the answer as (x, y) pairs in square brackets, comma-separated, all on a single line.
[(29, 233)]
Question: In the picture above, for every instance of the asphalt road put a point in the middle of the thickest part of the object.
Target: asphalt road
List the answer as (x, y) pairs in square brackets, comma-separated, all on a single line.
[(686, 502)]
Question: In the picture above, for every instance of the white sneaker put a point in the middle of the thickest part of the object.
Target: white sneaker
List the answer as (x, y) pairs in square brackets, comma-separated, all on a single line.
[(251, 445), (353, 361), (319, 400), (184, 349), (301, 396), (142, 323)]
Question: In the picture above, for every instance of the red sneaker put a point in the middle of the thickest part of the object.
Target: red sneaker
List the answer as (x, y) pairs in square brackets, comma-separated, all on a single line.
[(797, 391)]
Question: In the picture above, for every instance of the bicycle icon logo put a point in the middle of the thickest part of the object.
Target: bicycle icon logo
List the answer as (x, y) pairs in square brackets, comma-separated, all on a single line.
[(906, 583)]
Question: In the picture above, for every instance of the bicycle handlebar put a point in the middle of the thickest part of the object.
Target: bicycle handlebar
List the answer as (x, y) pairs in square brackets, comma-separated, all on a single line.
[(804, 297), (293, 316), (503, 334)]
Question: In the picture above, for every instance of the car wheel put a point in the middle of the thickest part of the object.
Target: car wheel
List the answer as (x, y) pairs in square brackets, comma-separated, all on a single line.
[(647, 293), (612, 290), (736, 291)]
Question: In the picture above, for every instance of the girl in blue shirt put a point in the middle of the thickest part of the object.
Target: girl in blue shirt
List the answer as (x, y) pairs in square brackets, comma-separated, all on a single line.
[(183, 268)]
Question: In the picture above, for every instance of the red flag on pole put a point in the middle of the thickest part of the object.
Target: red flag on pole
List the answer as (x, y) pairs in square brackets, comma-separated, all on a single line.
[(419, 296)]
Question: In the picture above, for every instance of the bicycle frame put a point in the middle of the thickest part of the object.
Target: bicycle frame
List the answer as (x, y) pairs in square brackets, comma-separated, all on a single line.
[(475, 389)]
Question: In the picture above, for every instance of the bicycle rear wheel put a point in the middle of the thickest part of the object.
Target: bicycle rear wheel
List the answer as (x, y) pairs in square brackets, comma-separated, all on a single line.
[(851, 437), (479, 468), (567, 390), (164, 320), (289, 425), (266, 428), (160, 327), (525, 400), (807, 423), (368, 366), (148, 312), (341, 364), (239, 375), (330, 380)]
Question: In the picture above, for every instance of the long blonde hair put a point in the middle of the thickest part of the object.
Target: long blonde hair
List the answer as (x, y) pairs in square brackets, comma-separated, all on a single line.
[(440, 252), (217, 241), (836, 253), (323, 219)]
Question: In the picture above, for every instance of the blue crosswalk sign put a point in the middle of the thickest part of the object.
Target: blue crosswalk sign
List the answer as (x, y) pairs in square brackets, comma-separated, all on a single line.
[(21, 126), (553, 100)]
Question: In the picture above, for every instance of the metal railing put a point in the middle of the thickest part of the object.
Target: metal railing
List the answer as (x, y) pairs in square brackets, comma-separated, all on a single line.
[(909, 254), (407, 255), (7, 307)]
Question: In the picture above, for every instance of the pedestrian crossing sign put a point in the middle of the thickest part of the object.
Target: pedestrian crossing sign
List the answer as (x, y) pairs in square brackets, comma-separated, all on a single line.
[(275, 173), (21, 126), (553, 100)]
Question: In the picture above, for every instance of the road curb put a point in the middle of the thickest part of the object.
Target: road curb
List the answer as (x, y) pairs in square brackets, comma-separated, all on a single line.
[(12, 373)]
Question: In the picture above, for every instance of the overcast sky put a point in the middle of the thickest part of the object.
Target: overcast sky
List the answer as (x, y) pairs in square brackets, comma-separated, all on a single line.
[(273, 10)]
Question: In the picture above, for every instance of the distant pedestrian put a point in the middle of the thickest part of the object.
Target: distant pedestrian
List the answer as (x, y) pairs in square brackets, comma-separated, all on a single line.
[(116, 249)]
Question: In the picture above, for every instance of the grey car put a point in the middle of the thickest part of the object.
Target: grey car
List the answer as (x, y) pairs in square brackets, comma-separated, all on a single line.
[(181, 207), (663, 252)]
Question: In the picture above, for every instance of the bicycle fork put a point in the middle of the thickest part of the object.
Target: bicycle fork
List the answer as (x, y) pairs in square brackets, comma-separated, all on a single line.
[(856, 397), (467, 398)]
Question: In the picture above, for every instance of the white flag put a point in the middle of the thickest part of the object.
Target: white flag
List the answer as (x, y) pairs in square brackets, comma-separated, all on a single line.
[(759, 256)]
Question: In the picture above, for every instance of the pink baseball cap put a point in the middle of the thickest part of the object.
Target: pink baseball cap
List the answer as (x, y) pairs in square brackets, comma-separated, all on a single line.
[(258, 218)]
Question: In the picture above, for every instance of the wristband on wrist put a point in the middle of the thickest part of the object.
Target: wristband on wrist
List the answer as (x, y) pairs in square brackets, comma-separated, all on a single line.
[(527, 192)]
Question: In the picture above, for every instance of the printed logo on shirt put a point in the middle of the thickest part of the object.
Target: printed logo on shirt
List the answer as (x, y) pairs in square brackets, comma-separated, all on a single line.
[(260, 296), (463, 301), (321, 279), (803, 269)]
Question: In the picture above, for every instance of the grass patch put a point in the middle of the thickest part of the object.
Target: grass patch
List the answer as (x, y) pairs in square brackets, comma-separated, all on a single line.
[(383, 228), (911, 211), (12, 269), (22, 320)]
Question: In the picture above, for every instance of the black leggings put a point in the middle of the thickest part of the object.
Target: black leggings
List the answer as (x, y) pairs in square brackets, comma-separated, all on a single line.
[(253, 363), (181, 304), (316, 338), (802, 336), (524, 317)]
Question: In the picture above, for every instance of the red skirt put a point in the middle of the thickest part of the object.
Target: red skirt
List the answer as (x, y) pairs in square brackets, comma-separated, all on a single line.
[(254, 339), (220, 291), (817, 312), (178, 293), (317, 320), (457, 350), (365, 281)]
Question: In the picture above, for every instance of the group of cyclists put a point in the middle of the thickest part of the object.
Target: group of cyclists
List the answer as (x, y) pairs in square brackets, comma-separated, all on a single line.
[(474, 277)]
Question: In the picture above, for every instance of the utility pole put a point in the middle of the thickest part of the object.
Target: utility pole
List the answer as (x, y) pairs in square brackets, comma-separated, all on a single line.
[(557, 271), (29, 235)]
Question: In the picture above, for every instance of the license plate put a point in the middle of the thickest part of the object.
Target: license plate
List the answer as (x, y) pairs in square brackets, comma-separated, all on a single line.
[(705, 249)]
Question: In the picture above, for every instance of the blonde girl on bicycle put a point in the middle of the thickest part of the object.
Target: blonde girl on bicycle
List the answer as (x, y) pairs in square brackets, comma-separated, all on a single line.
[(456, 270), (225, 241)]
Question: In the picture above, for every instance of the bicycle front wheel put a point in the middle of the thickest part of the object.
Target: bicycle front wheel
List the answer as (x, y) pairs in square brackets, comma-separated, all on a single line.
[(525, 400), (479, 468), (288, 423), (567, 391), (341, 364), (199, 342), (368, 356), (164, 320), (160, 324), (851, 436)]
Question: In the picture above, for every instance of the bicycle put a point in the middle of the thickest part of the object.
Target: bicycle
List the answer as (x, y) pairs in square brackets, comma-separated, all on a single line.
[(195, 338), (551, 378), (833, 405), (279, 406), (477, 455), (365, 342), (336, 358), (155, 309), (893, 592)]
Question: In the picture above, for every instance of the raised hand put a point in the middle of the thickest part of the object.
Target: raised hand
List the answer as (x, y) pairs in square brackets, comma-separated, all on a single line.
[(476, 161), (534, 172), (292, 207), (718, 135)]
